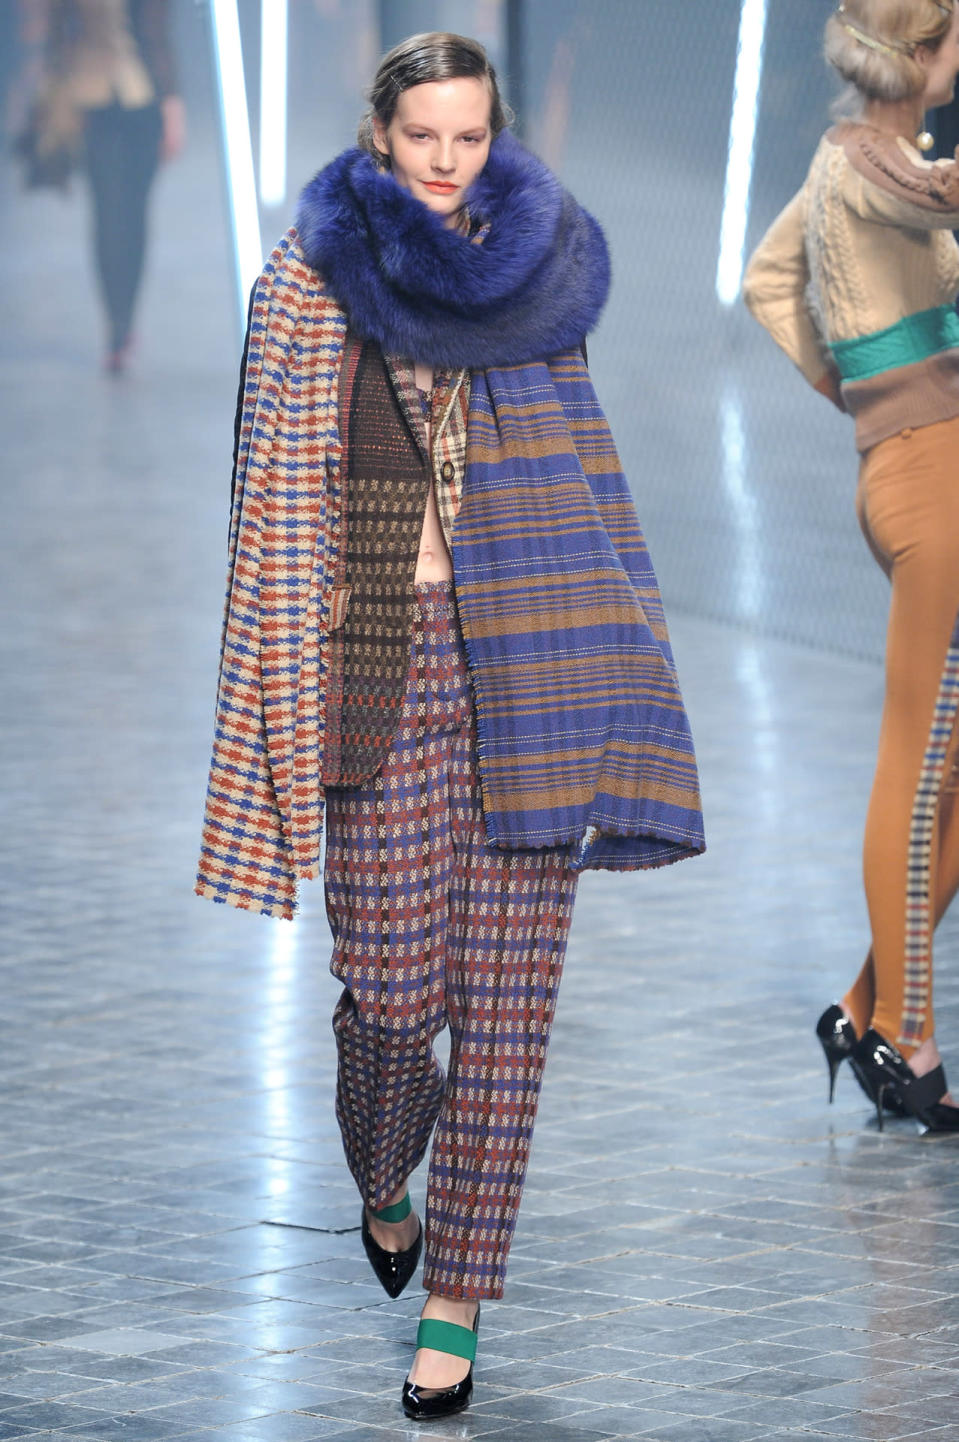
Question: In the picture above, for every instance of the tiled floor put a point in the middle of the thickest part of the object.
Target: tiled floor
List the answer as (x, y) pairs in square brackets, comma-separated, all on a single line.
[(707, 1251)]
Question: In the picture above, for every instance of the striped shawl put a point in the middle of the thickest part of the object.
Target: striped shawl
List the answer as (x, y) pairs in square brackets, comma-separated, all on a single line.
[(583, 738)]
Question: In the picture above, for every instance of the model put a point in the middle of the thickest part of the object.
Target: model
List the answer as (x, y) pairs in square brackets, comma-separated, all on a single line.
[(442, 624), (857, 281)]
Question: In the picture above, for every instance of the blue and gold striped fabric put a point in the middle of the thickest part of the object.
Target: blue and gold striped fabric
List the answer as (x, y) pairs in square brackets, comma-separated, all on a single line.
[(582, 734)]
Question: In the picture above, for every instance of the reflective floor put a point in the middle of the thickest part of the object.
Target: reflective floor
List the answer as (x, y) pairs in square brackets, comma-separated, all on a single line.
[(706, 1251)]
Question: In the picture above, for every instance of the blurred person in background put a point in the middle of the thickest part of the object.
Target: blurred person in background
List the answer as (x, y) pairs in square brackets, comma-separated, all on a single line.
[(442, 623), (108, 99), (857, 280)]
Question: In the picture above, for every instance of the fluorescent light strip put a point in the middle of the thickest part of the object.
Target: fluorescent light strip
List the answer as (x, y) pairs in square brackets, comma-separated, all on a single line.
[(238, 151), (274, 24), (742, 134)]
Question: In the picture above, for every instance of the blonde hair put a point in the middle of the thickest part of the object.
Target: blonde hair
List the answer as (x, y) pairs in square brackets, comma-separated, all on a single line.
[(872, 44)]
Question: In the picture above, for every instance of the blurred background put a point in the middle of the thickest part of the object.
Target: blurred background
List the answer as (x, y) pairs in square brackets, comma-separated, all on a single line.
[(744, 480)]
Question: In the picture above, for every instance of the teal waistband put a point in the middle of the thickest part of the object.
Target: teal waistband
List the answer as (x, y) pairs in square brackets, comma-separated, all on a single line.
[(912, 339)]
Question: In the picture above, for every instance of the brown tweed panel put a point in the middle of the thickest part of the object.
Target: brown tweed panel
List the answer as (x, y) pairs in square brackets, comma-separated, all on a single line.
[(388, 485)]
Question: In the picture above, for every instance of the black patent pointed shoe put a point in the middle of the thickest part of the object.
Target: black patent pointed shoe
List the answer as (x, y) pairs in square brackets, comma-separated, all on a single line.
[(890, 1075), (393, 1269), (837, 1037), (426, 1404)]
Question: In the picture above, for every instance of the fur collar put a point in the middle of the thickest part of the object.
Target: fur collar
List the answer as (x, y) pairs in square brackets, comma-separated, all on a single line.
[(532, 289)]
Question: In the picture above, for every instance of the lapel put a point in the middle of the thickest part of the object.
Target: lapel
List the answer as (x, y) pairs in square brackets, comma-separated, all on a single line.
[(403, 380)]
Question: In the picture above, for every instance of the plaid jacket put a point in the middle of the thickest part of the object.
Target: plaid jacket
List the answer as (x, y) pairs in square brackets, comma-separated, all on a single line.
[(264, 807)]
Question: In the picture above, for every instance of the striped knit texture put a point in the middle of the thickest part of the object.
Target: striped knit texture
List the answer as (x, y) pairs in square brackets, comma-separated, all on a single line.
[(583, 737), (264, 806), (434, 927), (917, 985)]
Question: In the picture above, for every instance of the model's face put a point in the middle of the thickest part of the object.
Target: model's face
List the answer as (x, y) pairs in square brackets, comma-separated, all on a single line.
[(438, 141), (941, 67)]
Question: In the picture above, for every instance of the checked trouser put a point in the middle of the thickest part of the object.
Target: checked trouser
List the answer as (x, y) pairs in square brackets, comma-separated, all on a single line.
[(433, 927)]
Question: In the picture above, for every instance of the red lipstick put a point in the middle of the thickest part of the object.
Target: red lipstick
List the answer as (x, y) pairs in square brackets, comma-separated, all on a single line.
[(441, 187)]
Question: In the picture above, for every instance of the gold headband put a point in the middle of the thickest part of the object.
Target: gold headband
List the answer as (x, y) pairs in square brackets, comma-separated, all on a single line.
[(871, 42), (944, 6)]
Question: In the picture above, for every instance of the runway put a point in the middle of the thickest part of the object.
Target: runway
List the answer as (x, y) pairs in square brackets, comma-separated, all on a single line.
[(706, 1251)]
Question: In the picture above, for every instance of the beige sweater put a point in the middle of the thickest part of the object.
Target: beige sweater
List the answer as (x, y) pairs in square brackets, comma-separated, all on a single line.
[(856, 280), (102, 62)]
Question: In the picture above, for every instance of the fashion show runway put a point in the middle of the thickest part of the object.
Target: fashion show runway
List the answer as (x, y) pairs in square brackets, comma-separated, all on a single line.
[(706, 1250)]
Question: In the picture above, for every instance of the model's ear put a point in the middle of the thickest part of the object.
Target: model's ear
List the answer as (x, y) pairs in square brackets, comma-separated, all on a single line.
[(379, 136)]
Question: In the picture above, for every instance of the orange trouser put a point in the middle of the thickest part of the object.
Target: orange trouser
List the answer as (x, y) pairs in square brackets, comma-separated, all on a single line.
[(908, 505)]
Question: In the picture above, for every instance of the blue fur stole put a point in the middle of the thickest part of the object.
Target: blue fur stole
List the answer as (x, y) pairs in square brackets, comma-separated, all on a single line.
[(534, 288)]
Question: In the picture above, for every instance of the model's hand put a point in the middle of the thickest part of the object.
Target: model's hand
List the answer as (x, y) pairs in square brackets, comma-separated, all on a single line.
[(173, 138)]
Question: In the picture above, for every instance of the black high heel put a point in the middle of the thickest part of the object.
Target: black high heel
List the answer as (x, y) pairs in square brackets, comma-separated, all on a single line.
[(890, 1074), (424, 1404), (393, 1269), (837, 1037)]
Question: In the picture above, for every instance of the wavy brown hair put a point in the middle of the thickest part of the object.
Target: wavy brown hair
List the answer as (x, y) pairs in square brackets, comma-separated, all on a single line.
[(435, 55)]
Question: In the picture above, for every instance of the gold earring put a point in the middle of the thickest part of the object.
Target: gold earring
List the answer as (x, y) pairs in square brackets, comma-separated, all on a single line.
[(924, 140)]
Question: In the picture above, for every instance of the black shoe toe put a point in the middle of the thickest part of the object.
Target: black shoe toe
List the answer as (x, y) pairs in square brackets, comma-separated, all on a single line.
[(423, 1404), (394, 1269)]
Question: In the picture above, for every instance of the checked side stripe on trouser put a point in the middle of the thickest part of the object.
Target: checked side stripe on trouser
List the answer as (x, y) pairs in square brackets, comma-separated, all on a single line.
[(433, 927), (919, 921)]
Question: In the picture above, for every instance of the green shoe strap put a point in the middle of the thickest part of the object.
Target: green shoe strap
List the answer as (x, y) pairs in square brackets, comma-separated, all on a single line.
[(447, 1337), (397, 1213)]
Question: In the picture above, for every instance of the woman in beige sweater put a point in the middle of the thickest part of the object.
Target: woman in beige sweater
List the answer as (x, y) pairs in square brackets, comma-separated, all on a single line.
[(114, 65), (857, 280)]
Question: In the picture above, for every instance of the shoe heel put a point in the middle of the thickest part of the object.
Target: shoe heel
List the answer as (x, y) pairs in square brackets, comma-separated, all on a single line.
[(880, 1094), (837, 1038)]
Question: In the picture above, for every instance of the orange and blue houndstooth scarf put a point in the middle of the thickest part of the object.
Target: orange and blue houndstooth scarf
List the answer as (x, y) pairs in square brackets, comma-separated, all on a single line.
[(582, 735)]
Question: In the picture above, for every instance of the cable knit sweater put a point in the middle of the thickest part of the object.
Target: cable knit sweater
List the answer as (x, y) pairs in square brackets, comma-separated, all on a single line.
[(857, 278)]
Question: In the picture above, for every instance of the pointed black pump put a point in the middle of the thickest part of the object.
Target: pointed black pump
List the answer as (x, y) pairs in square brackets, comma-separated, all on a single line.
[(425, 1404), (393, 1269)]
